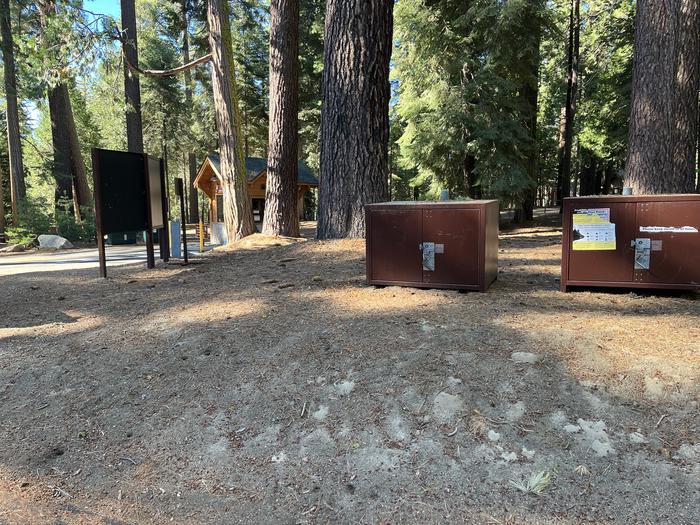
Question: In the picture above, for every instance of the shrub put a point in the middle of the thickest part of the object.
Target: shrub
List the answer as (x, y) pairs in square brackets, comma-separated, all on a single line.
[(33, 221), (68, 226)]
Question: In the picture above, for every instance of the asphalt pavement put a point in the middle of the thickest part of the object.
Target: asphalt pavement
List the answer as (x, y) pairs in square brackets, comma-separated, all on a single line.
[(74, 259)]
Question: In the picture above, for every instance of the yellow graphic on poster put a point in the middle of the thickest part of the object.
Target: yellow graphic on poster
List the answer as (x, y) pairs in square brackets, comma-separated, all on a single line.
[(592, 230)]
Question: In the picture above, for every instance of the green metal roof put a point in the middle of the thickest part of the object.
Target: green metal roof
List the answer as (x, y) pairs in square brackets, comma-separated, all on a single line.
[(256, 165)]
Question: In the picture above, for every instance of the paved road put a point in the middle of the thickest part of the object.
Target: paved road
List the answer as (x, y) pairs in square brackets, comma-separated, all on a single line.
[(13, 264)]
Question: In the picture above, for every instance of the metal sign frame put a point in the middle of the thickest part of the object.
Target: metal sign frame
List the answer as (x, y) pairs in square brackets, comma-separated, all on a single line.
[(98, 179)]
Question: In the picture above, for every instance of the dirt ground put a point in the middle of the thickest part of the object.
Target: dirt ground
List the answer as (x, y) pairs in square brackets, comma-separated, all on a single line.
[(270, 384)]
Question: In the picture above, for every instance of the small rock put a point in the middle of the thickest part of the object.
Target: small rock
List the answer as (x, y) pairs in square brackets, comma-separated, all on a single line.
[(279, 458), (453, 381), (54, 242), (508, 457), (529, 454), (321, 413), (13, 248), (345, 387), (493, 435), (524, 357), (446, 406), (689, 452), (636, 437)]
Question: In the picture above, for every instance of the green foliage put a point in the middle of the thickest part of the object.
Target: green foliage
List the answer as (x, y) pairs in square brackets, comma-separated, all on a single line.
[(605, 73), (311, 16), (58, 46), (74, 230), (463, 77), (461, 74), (33, 221), (249, 35), (606, 51)]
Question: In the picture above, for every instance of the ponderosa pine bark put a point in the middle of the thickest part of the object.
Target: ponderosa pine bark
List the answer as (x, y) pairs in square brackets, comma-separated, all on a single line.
[(354, 114), (281, 210), (238, 213), (132, 84), (687, 82), (18, 189), (664, 110)]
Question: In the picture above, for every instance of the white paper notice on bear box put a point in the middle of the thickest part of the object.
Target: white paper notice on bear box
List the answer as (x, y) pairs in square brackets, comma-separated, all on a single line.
[(602, 213), (668, 229), (592, 230)]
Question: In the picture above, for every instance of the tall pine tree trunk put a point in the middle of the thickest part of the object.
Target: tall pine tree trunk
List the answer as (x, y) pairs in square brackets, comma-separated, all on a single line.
[(281, 215), (68, 165), (132, 84), (687, 83), (664, 111), (14, 144), (354, 114), (564, 171), (2, 207), (60, 140), (81, 190), (238, 213), (529, 93), (193, 202)]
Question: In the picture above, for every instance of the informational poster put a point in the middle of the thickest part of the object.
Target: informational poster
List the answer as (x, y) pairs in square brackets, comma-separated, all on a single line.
[(592, 230)]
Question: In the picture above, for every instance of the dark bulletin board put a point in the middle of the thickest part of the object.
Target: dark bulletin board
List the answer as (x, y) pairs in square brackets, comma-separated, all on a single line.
[(156, 192), (121, 179)]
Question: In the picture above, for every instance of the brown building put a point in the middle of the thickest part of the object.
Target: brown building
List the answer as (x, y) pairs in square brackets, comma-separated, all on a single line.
[(209, 181)]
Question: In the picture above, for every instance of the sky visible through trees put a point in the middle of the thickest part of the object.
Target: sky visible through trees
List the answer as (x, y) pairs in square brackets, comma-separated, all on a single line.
[(479, 94)]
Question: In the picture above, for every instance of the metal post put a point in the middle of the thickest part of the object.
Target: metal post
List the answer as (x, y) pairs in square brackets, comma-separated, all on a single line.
[(201, 236), (165, 232), (180, 191)]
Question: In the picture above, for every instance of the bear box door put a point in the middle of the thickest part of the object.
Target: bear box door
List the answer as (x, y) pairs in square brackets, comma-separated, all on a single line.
[(672, 228), (395, 243), (455, 233), (590, 264)]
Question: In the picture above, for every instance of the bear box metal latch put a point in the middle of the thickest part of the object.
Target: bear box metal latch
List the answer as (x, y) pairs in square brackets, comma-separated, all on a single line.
[(429, 250), (642, 254)]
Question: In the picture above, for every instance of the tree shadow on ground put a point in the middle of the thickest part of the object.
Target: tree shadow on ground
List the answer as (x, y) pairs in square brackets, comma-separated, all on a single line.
[(274, 382)]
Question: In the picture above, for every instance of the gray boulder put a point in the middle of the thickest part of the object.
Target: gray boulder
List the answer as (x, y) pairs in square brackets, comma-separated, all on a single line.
[(13, 248), (54, 242)]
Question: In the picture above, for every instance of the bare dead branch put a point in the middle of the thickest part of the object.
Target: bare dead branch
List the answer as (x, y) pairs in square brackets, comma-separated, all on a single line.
[(168, 72), (160, 72)]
